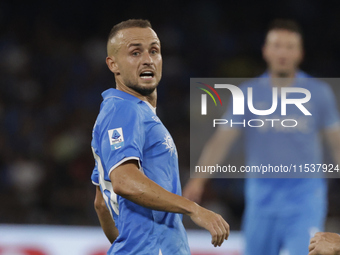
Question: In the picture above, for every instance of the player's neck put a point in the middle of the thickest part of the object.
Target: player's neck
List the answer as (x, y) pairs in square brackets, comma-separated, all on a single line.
[(151, 99), (282, 79)]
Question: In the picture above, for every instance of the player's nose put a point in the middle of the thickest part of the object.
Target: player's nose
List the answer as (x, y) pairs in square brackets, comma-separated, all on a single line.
[(147, 59)]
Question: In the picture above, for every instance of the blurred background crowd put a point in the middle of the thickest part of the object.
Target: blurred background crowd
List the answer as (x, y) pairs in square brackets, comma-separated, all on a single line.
[(53, 71)]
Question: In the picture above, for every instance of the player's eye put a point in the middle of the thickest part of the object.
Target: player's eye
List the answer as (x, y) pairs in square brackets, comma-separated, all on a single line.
[(154, 51), (135, 53)]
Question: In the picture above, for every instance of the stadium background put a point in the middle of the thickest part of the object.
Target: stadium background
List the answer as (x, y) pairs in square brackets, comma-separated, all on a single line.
[(53, 71)]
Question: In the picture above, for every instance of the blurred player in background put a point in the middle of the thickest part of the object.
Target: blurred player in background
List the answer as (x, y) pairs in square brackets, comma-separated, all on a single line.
[(325, 243), (136, 169), (279, 213)]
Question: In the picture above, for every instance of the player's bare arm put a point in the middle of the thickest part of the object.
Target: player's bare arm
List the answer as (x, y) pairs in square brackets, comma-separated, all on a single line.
[(129, 182), (213, 153), (324, 243), (105, 219)]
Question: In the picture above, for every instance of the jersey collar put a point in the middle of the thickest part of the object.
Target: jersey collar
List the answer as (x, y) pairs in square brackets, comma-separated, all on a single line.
[(123, 95), (298, 74), (119, 94)]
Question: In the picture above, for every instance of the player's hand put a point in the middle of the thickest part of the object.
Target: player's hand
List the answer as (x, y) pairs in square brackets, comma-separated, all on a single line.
[(194, 188), (213, 222), (325, 243)]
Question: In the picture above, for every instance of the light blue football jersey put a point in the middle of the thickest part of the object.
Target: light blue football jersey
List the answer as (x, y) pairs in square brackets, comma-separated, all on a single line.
[(128, 128), (278, 145)]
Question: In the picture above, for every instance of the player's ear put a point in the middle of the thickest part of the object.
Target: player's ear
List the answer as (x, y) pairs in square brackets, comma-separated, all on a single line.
[(112, 64), (264, 52)]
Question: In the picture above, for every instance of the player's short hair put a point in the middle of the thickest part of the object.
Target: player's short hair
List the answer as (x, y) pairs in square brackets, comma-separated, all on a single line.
[(286, 24), (141, 23)]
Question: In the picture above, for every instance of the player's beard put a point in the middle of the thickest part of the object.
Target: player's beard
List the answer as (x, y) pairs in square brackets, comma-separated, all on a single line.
[(144, 91), (282, 74), (285, 73)]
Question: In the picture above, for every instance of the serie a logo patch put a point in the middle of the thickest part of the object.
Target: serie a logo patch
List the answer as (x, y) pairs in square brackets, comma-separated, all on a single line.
[(116, 138)]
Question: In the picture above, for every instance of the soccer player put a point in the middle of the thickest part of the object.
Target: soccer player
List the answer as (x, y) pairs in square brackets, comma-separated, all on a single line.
[(136, 169), (325, 243), (279, 213)]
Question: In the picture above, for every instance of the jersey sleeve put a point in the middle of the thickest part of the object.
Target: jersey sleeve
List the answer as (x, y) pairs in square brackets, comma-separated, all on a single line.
[(123, 137), (95, 176), (329, 111), (95, 172)]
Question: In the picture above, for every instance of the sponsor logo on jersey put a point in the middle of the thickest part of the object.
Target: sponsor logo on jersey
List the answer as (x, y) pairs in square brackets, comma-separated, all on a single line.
[(116, 138)]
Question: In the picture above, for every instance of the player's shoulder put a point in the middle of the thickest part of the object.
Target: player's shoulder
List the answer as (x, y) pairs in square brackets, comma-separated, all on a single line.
[(319, 88), (314, 83), (119, 107), (122, 110), (119, 102)]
